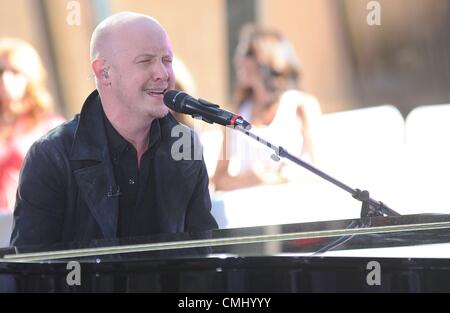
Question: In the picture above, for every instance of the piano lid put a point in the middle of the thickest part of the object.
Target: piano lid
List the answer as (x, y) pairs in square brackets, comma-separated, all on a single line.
[(401, 236)]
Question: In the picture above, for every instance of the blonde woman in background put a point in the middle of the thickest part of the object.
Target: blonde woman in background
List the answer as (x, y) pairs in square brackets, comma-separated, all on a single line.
[(267, 95), (26, 111)]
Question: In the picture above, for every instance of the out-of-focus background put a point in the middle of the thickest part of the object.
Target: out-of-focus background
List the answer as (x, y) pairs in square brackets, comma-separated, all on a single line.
[(347, 63), (381, 89)]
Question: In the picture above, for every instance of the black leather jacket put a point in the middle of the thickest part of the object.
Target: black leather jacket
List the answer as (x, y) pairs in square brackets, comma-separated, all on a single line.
[(64, 192)]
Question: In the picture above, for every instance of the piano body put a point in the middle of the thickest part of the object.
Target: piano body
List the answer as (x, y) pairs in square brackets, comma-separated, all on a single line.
[(408, 253)]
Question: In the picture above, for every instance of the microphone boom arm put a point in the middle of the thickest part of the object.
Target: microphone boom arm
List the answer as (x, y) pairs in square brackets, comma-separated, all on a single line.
[(370, 207)]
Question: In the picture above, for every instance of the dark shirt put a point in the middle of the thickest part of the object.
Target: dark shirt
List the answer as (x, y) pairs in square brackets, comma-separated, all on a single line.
[(134, 184)]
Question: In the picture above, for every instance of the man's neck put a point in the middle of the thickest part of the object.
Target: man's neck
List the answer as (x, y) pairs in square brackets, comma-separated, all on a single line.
[(136, 135), (135, 129)]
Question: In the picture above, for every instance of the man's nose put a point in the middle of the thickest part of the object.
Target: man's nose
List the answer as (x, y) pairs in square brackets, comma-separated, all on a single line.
[(160, 72)]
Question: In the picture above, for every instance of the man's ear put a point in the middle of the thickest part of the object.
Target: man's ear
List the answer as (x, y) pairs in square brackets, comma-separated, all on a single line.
[(101, 72)]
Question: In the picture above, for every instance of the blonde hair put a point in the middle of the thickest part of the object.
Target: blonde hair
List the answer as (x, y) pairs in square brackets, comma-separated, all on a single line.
[(276, 58), (25, 60)]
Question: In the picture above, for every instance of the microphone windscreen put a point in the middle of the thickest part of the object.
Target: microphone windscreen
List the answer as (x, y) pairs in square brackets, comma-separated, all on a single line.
[(173, 99)]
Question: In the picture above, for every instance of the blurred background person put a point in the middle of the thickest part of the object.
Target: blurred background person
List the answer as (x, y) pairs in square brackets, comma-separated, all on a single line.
[(26, 111), (267, 95)]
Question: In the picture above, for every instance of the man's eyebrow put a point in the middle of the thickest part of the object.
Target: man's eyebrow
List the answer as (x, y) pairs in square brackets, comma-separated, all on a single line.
[(145, 55)]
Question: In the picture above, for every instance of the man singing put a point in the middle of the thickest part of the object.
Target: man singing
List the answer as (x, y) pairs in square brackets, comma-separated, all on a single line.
[(109, 172)]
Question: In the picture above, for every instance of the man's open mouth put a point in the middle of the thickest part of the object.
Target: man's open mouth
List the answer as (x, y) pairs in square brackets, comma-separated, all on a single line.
[(156, 92)]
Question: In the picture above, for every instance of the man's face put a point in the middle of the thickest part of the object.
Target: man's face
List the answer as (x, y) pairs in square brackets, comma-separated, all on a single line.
[(142, 71)]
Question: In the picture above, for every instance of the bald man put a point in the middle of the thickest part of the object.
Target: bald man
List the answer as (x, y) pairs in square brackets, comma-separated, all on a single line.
[(109, 172)]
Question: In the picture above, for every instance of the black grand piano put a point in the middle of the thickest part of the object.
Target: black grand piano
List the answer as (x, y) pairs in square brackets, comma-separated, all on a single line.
[(408, 253)]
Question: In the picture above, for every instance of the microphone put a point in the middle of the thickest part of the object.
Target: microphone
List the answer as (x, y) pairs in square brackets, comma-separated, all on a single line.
[(209, 112)]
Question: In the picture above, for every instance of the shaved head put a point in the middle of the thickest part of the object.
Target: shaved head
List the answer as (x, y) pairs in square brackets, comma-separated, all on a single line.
[(108, 37)]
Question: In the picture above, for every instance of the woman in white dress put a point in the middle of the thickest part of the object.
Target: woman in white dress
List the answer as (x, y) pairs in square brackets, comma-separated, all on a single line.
[(267, 95)]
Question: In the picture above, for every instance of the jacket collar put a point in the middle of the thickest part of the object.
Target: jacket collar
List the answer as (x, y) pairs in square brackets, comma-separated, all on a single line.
[(90, 142), (96, 183)]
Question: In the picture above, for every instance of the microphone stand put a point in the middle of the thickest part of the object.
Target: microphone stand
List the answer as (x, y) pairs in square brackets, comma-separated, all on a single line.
[(369, 208)]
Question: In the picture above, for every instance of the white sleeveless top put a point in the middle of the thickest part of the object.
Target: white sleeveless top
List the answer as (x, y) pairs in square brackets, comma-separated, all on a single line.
[(285, 130)]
